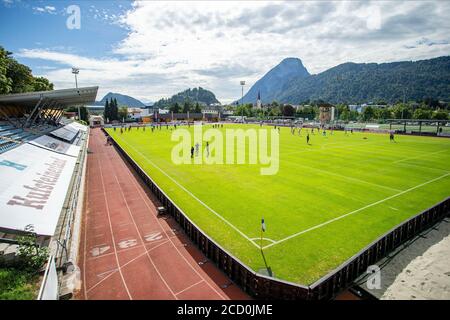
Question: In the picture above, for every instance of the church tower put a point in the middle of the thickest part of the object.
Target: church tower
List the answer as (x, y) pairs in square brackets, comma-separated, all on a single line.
[(258, 101)]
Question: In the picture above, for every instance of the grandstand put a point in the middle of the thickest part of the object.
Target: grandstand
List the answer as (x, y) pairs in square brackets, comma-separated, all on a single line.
[(42, 161), (26, 116)]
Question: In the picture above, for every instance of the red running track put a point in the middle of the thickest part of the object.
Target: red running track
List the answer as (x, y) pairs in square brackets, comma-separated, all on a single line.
[(127, 251)]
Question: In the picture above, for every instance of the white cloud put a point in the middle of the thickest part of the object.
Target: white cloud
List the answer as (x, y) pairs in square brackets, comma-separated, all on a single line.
[(45, 9), (174, 45)]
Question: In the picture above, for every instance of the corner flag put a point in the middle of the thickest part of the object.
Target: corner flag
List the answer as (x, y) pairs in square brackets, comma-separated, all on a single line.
[(263, 225)]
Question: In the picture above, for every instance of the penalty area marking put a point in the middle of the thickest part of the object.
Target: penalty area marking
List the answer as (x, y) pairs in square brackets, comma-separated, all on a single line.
[(425, 154), (192, 195), (355, 211)]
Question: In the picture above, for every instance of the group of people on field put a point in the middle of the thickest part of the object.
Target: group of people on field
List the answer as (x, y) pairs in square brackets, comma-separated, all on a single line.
[(195, 149)]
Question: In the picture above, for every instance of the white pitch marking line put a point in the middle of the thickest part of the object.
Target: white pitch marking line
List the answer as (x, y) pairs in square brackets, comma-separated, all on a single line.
[(193, 196), (420, 156), (268, 239), (423, 167), (345, 177), (355, 211)]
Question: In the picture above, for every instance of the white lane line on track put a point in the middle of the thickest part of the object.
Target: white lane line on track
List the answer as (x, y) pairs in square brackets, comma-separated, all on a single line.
[(191, 286), (112, 234), (139, 234), (145, 199), (127, 263)]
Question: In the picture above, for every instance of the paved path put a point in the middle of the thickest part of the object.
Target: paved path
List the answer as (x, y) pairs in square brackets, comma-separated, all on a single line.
[(127, 251)]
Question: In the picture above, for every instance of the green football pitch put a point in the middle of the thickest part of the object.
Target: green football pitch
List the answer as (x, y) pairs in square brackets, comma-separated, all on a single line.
[(328, 200)]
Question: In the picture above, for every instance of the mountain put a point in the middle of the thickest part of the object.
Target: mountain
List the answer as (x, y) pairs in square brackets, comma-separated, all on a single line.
[(271, 84), (203, 96), (122, 100), (370, 82)]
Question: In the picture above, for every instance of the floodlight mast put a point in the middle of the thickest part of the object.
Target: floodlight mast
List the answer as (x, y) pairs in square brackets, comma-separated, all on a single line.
[(242, 99), (76, 71)]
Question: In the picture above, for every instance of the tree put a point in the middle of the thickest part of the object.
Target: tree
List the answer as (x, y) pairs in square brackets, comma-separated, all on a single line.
[(367, 114), (353, 115), (197, 94), (17, 78), (5, 81), (84, 113), (42, 84), (431, 103), (422, 114), (111, 110), (402, 111), (440, 115), (275, 111), (22, 79), (107, 111), (186, 107), (197, 108), (245, 110), (288, 110), (114, 108), (383, 113), (31, 256), (306, 112), (175, 108), (123, 113)]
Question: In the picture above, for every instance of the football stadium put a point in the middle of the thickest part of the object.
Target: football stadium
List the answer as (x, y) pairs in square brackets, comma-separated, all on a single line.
[(328, 184)]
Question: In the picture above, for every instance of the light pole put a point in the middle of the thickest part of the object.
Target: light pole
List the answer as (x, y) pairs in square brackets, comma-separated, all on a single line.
[(242, 99), (76, 71)]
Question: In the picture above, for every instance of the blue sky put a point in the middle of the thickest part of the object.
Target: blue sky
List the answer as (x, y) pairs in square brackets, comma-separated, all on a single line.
[(154, 49)]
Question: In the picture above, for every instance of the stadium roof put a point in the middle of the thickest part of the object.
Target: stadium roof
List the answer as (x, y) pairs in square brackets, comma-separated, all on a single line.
[(63, 98)]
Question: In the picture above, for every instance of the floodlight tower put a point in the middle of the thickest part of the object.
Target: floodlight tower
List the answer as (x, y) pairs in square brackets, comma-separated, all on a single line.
[(242, 98), (76, 71)]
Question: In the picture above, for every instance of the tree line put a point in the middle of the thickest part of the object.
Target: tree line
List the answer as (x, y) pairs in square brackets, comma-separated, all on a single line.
[(185, 107), (18, 78), (113, 112), (190, 96), (426, 110)]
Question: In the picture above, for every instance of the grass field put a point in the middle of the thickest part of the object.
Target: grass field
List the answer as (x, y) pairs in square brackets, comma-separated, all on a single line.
[(327, 201)]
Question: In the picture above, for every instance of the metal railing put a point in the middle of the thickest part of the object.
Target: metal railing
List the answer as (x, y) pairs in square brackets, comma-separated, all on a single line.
[(49, 289), (64, 235)]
